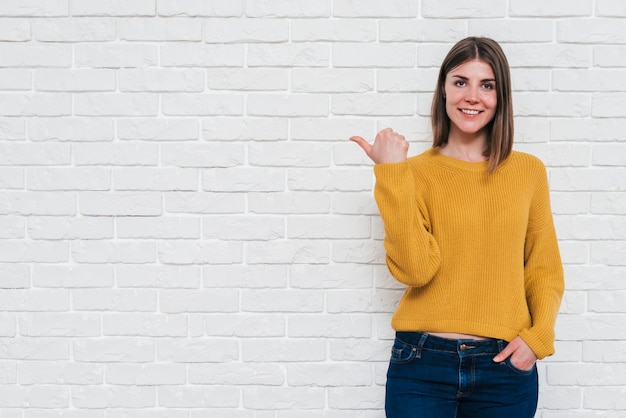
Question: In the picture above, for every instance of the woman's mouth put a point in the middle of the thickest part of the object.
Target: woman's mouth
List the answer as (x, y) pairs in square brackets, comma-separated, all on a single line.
[(470, 111)]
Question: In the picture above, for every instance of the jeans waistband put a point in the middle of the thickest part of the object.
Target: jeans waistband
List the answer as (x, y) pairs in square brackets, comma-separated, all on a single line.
[(433, 342)]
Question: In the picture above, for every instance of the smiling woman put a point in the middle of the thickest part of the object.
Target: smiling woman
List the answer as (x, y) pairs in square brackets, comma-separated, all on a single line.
[(480, 259)]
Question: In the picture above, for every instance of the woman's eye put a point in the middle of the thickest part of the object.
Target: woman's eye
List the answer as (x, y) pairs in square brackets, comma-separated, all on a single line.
[(488, 86), (460, 83)]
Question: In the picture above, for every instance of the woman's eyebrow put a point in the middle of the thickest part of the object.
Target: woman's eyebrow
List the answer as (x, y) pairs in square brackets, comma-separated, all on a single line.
[(462, 77)]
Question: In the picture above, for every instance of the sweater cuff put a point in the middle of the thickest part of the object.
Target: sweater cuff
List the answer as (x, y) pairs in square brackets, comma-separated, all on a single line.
[(541, 343)]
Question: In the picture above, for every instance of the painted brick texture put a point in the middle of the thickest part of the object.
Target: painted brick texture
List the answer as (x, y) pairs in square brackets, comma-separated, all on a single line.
[(186, 231)]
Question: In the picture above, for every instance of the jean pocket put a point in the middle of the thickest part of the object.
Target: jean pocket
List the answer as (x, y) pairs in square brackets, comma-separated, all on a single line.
[(516, 369), (402, 352)]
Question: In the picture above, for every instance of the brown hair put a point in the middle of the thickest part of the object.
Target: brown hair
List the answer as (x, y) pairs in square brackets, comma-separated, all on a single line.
[(500, 129)]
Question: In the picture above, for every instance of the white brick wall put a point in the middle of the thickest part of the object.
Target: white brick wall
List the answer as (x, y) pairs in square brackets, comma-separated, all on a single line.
[(187, 233)]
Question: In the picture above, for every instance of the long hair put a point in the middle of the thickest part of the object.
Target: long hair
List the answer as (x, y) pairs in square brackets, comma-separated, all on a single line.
[(500, 129)]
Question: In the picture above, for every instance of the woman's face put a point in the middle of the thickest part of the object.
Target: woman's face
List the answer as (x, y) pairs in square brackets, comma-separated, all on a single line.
[(471, 99)]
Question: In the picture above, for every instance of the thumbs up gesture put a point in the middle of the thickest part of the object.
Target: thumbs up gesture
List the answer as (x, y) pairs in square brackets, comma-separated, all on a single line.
[(388, 147)]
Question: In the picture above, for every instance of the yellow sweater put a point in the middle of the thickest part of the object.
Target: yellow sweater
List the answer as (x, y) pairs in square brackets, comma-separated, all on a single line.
[(477, 251)]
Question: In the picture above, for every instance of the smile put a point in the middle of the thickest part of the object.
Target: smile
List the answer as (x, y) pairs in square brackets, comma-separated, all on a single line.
[(470, 111)]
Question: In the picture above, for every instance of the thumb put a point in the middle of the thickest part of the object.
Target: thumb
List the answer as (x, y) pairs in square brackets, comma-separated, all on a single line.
[(366, 146), (504, 354)]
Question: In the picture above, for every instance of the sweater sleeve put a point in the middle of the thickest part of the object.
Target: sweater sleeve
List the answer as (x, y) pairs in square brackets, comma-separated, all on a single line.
[(543, 272), (412, 254)]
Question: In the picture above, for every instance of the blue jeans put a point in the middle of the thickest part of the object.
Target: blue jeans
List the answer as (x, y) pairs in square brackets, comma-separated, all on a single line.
[(435, 377)]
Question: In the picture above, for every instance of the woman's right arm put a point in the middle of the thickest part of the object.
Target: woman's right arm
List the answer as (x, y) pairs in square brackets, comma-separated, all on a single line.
[(413, 255)]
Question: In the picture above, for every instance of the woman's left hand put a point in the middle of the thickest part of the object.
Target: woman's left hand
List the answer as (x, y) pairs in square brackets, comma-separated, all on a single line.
[(521, 355)]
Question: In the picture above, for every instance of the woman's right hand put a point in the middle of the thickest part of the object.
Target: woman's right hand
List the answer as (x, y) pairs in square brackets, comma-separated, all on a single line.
[(388, 147)]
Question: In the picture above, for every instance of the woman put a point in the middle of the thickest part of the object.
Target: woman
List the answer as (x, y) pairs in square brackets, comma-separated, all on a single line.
[(469, 230)]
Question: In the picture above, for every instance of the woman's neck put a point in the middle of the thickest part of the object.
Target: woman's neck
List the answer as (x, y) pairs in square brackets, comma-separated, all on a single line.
[(470, 151)]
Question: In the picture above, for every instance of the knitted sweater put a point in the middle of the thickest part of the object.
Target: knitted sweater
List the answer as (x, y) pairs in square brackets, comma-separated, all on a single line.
[(478, 252)]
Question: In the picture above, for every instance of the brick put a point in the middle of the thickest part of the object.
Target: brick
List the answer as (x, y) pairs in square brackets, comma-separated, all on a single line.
[(181, 104), (116, 104), (144, 324), (116, 154), (335, 30), (35, 55), (381, 104), (231, 129), (247, 79), (293, 105), (70, 129), (341, 80), (113, 396), (405, 80), (203, 155), (18, 251), (212, 300), (243, 180), (590, 31), (281, 300), (329, 326), (57, 228), (197, 350), (126, 300), (330, 276), (237, 374), (146, 374), (514, 30), (12, 227), (359, 349), (286, 8), (134, 252), (560, 8), (590, 179), (74, 30), (161, 129), (374, 55), (59, 325), (115, 55), (150, 29), (288, 55), (337, 227), (120, 203), (358, 252), (290, 154), (205, 8), (181, 252), (542, 104), (38, 203), (356, 398), (162, 228), (38, 104), (198, 397), (288, 252), (113, 350), (325, 129), (262, 276), (609, 56), (608, 203), (12, 178), (161, 80), (35, 8), (286, 398), (549, 55), (113, 8), (15, 79), (460, 9), (68, 179), (608, 252), (34, 154), (291, 350), (200, 202), (195, 55), (605, 398), (610, 8), (152, 276), (60, 373), (311, 179), (155, 179), (608, 155), (261, 30), (289, 203), (254, 325), (243, 227), (372, 8), (73, 276), (14, 275), (35, 348), (12, 129)]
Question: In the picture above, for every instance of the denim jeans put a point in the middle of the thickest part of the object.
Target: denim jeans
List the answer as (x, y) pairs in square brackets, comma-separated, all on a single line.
[(435, 377)]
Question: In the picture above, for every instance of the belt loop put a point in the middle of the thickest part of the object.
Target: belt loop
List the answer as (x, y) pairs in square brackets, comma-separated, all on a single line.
[(420, 345), (500, 345)]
